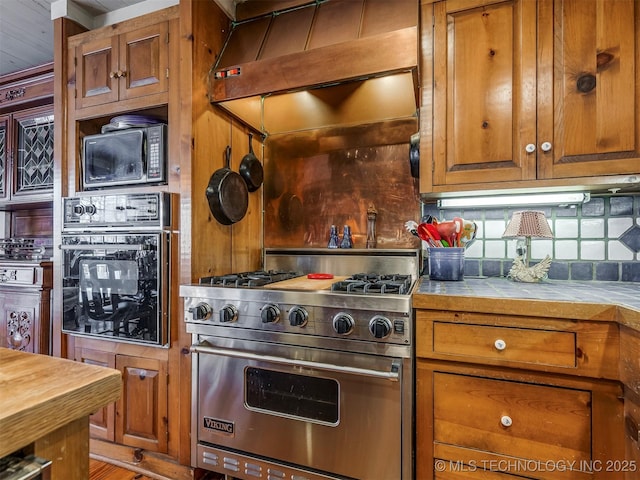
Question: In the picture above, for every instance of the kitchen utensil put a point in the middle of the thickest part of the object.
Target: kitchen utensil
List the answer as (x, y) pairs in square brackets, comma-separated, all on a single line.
[(469, 230), (411, 227), (251, 169), (433, 231), (426, 235), (227, 194), (447, 231), (459, 229), (319, 276)]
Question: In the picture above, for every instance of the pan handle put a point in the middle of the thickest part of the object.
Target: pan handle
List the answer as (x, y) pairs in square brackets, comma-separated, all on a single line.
[(393, 374), (227, 157)]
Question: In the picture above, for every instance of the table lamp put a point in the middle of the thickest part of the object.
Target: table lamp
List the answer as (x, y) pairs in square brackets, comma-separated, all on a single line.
[(528, 224)]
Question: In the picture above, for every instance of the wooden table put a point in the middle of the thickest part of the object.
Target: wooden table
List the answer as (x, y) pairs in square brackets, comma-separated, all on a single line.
[(45, 403)]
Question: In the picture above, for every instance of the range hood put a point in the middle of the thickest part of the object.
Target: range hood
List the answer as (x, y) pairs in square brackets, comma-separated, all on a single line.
[(321, 64)]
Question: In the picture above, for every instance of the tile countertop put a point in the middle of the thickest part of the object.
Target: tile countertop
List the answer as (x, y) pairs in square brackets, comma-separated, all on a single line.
[(618, 301)]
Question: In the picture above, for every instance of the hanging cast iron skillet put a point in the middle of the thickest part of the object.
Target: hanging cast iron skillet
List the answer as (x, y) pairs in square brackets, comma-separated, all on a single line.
[(251, 169), (414, 155), (227, 194)]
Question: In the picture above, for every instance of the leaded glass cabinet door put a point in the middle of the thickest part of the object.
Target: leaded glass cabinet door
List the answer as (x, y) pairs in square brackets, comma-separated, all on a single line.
[(33, 164), (4, 155)]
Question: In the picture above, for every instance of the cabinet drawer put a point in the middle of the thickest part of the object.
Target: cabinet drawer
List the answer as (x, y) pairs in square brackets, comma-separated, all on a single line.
[(541, 347), (510, 418)]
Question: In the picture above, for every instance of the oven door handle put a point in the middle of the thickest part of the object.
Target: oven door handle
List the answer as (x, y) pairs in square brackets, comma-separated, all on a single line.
[(392, 375), (103, 246)]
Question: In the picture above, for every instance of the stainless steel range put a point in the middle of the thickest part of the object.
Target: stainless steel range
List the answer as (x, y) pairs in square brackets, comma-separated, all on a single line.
[(302, 377)]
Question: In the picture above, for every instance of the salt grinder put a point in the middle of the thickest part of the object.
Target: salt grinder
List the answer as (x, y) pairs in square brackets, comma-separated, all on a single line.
[(347, 241), (334, 240)]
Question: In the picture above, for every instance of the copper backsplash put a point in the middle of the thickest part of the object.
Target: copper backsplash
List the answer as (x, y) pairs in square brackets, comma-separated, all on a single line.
[(321, 178)]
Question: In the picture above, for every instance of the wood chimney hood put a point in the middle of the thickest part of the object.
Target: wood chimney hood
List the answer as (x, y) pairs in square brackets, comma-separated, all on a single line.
[(325, 63)]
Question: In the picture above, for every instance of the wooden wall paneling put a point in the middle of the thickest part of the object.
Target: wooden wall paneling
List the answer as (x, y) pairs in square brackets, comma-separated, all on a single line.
[(203, 131), (62, 29), (246, 235)]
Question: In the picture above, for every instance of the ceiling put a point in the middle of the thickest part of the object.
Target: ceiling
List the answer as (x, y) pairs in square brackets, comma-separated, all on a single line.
[(26, 29)]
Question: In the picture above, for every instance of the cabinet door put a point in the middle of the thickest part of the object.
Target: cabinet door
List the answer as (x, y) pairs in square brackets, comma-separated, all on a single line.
[(96, 72), (141, 411), (144, 61), (4, 155), (21, 314), (484, 91), (33, 158), (101, 423), (589, 110)]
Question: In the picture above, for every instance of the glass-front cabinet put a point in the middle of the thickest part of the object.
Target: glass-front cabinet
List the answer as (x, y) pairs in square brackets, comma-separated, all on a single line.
[(26, 155)]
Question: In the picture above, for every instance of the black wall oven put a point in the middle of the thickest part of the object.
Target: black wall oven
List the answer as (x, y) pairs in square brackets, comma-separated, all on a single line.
[(115, 262)]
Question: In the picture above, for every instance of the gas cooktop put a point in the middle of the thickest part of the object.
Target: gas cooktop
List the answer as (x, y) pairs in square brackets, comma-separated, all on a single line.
[(248, 279)]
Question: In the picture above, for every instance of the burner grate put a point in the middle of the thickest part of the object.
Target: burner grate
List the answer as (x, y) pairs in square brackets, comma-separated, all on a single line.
[(371, 283), (248, 279)]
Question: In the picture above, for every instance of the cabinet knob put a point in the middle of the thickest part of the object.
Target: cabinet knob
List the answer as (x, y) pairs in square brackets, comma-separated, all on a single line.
[(113, 75), (506, 421), (122, 74), (530, 148), (546, 146), (500, 344)]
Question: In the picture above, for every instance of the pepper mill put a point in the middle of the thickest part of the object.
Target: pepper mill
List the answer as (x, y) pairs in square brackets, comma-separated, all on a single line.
[(371, 226), (334, 240), (347, 241)]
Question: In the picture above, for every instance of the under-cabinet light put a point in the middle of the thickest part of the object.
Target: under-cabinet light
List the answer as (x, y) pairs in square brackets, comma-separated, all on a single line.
[(515, 200)]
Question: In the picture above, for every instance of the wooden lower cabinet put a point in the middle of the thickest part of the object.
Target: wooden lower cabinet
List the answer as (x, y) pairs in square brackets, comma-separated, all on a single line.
[(630, 376), (139, 418), (25, 307), (505, 399)]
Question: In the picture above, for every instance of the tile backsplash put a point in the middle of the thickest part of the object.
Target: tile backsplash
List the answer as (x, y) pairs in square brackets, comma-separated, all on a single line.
[(598, 240)]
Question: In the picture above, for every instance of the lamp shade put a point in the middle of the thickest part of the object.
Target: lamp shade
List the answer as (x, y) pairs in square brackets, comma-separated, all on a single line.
[(528, 223)]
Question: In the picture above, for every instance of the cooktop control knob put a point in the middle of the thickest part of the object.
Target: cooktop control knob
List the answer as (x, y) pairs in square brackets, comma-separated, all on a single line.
[(201, 311), (298, 316), (270, 313), (380, 327), (343, 323), (228, 313), (90, 209)]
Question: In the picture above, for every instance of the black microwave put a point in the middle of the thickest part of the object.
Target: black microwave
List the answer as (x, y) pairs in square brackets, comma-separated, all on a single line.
[(132, 156)]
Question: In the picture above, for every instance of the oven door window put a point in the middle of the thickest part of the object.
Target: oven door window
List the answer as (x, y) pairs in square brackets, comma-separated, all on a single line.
[(113, 287), (307, 398)]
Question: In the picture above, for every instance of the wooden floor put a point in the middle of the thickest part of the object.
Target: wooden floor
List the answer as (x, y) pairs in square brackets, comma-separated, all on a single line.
[(105, 471)]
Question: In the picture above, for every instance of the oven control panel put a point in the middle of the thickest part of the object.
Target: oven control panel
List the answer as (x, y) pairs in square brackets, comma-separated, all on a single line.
[(202, 315), (131, 210)]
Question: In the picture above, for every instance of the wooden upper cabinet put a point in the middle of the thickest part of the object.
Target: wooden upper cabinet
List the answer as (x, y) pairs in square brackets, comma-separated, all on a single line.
[(122, 67), (484, 91), (526, 91), (588, 102)]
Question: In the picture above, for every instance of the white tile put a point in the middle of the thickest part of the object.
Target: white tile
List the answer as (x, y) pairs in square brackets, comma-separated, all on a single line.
[(494, 249), (617, 226), (618, 251), (592, 250), (474, 250), (541, 248), (511, 248), (494, 228), (592, 228), (566, 228), (566, 250)]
